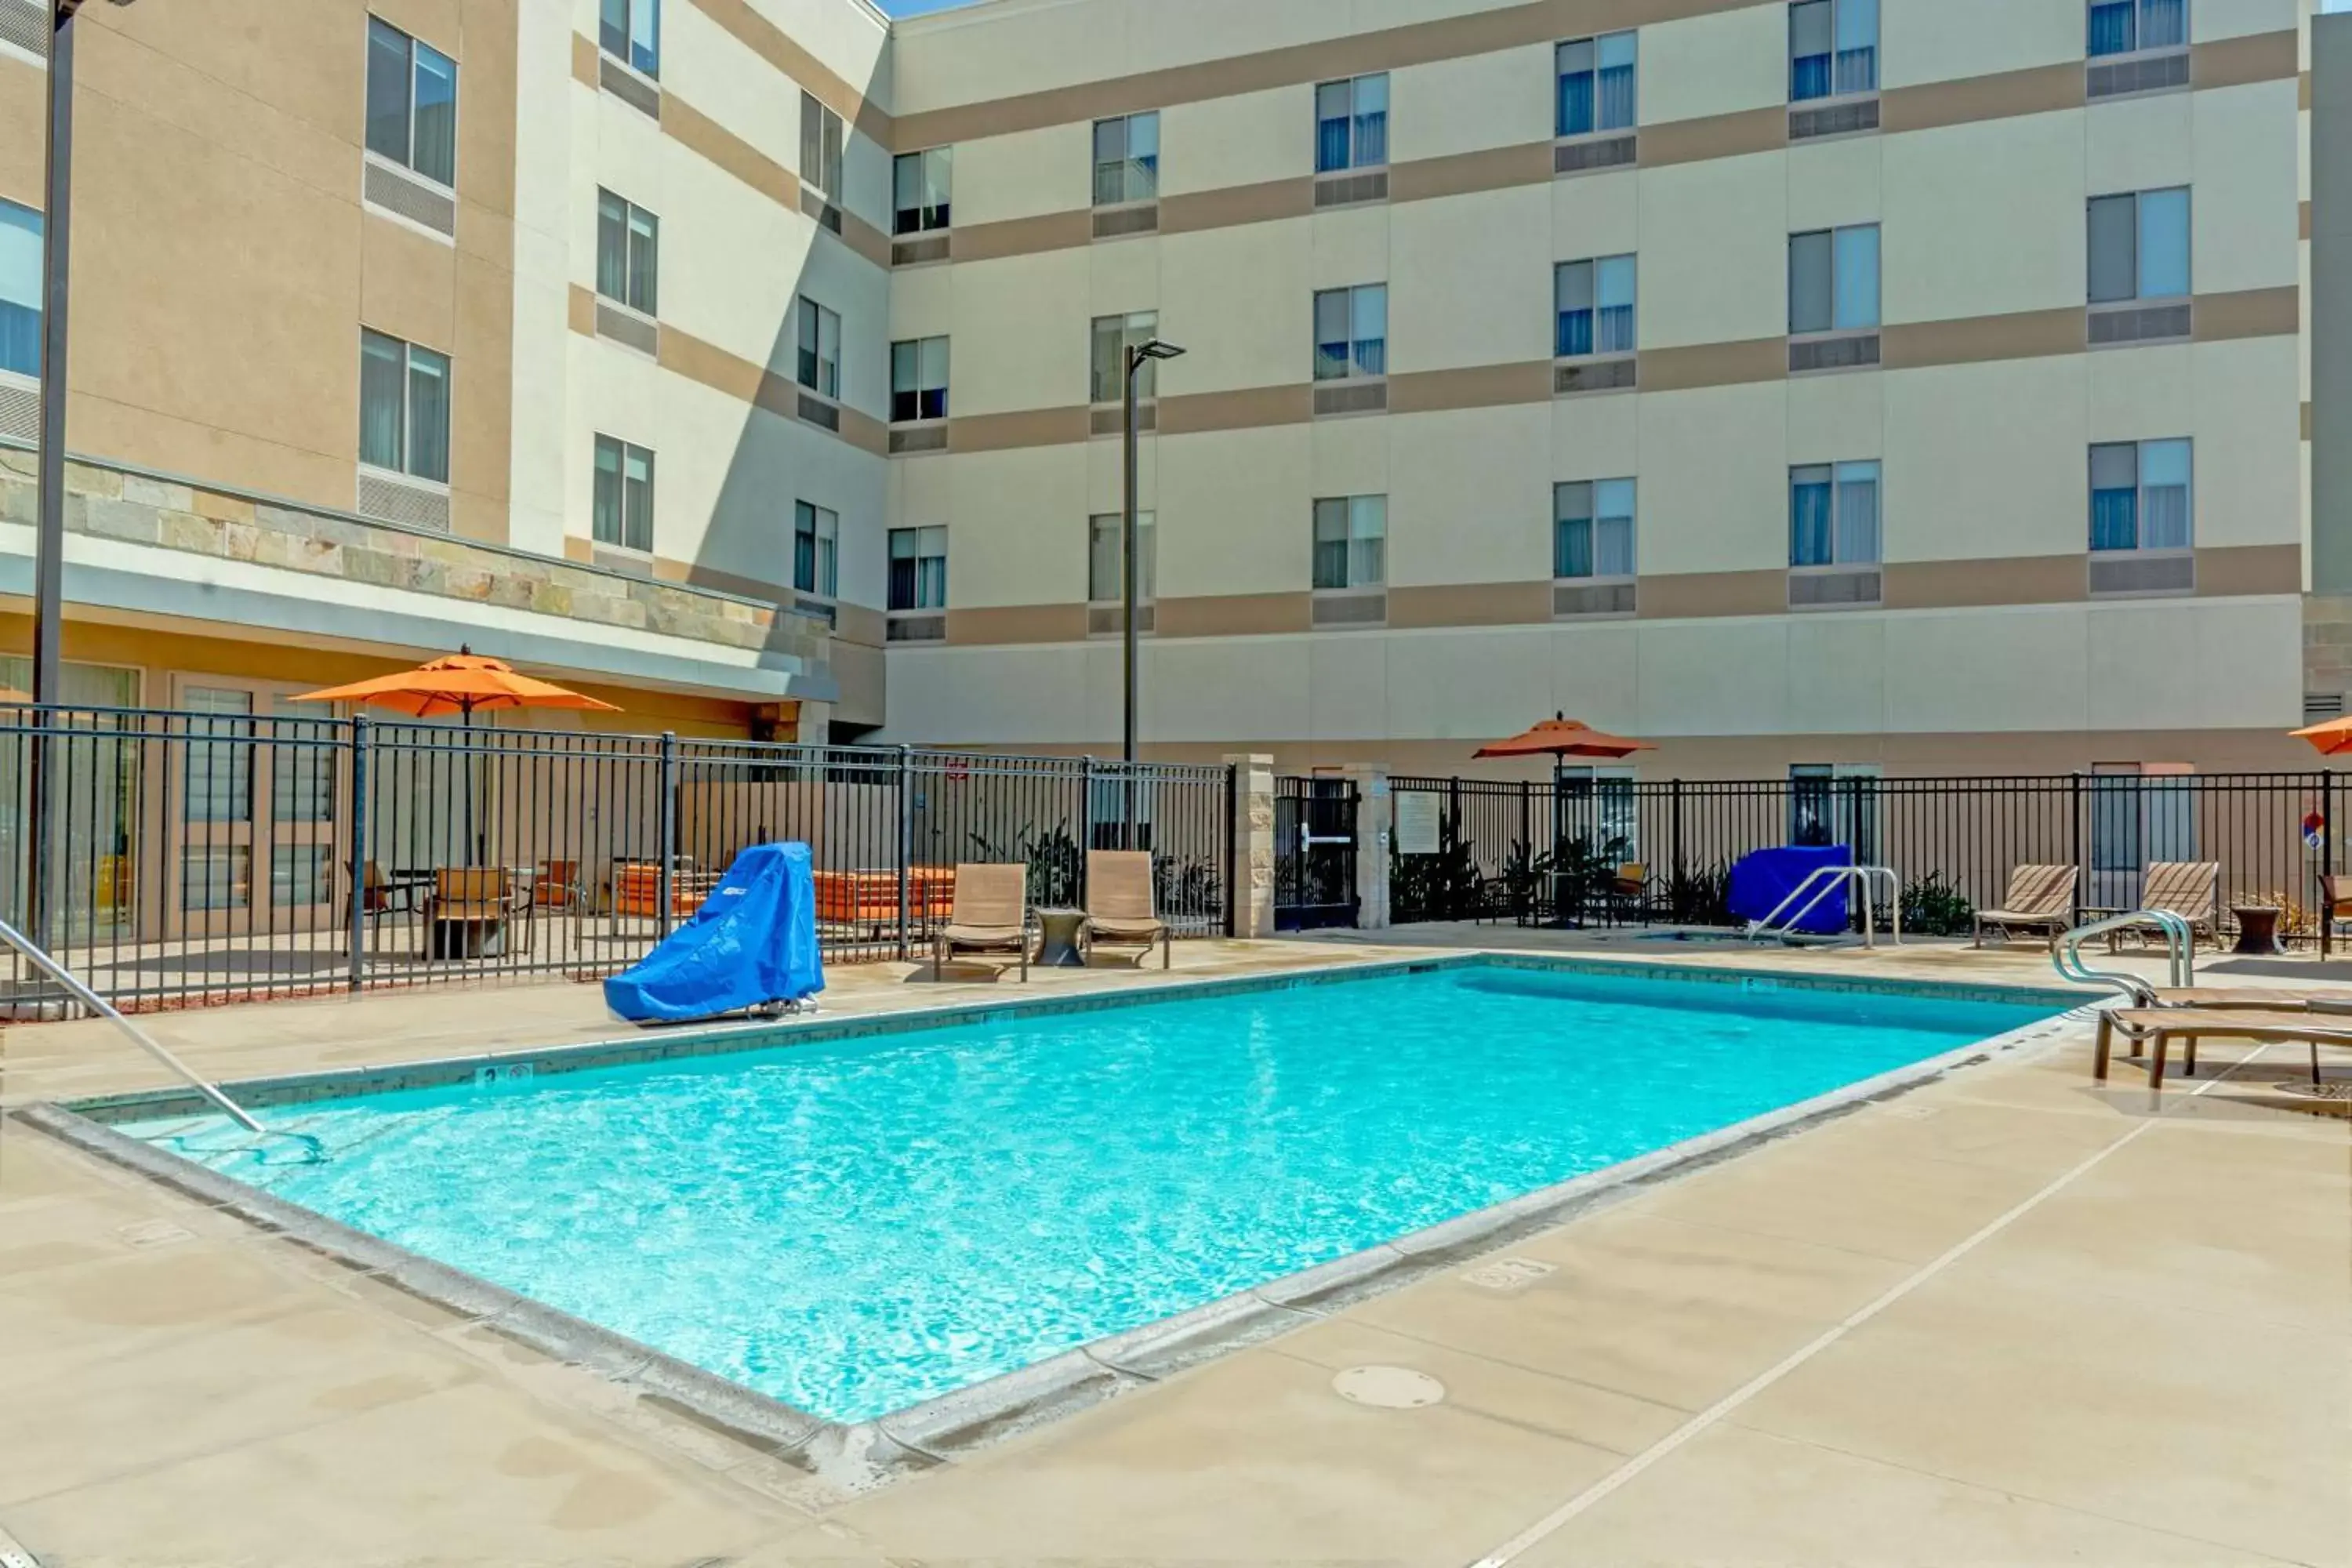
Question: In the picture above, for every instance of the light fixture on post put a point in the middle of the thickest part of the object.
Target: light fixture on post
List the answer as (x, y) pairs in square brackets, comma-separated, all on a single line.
[(1137, 356)]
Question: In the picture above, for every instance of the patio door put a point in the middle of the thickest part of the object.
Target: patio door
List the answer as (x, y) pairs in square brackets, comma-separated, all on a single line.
[(2141, 813), (255, 807), (1835, 803)]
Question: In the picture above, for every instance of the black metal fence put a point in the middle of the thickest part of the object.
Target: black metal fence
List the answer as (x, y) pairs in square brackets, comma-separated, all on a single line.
[(192, 857), (1551, 849)]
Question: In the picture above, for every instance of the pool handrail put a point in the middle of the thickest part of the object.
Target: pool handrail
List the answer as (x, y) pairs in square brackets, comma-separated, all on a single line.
[(2179, 946), (1830, 876)]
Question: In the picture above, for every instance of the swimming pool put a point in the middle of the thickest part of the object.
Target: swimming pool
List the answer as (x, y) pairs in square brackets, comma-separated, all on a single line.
[(852, 1225)]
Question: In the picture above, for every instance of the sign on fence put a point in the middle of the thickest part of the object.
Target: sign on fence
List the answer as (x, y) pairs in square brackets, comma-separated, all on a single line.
[(1417, 829)]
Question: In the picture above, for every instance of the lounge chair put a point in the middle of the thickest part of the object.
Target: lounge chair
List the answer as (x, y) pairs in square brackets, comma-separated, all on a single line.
[(991, 915), (1120, 905), (2189, 888), (2316, 1024), (2040, 898)]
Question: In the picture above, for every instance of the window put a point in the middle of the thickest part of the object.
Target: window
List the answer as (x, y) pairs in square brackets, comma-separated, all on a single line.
[(628, 245), (1351, 331), (2126, 26), (1595, 303), (1833, 514), (1833, 280), (820, 148), (1835, 803), (1126, 159), (920, 184), (403, 408), (623, 511), (919, 568), (2139, 246), (631, 30), (1832, 49), (816, 550), (1351, 536), (1113, 336), (1598, 806), (918, 380), (2141, 496), (820, 348), (1592, 529), (1351, 124), (1596, 84), (20, 289), (412, 103), (1105, 572)]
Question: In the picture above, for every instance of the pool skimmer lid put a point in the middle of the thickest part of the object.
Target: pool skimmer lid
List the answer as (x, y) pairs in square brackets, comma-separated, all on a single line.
[(1388, 1387)]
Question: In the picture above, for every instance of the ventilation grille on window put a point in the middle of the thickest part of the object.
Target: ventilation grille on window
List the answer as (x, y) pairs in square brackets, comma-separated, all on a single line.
[(20, 408), (1112, 420), (1810, 590), (1577, 599), (817, 609), (2140, 324), (1106, 621), (2133, 571), (22, 24), (415, 506), (1852, 352), (628, 87), (817, 412), (627, 327), (1111, 223), (1834, 119), (824, 211), (1351, 609), (397, 191), (2150, 73), (918, 439), (1351, 397), (1346, 190), (1595, 375), (1603, 152), (919, 251), (918, 629)]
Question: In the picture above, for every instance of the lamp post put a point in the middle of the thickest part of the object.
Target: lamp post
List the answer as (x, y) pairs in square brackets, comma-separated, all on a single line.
[(1137, 356)]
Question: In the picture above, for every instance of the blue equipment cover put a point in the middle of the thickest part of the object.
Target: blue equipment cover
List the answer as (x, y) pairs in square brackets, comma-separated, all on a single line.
[(752, 945), (1759, 883)]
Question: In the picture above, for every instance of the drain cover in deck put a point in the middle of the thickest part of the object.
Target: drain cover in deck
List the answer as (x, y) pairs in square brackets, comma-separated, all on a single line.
[(1388, 1387)]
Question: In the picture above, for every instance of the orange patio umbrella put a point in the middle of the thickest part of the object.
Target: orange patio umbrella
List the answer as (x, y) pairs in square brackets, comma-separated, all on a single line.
[(464, 683), (2331, 739), (1561, 736)]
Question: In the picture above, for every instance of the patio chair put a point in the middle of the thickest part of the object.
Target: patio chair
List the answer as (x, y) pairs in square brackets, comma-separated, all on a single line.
[(2336, 900), (991, 915), (1628, 894), (2040, 898), (1119, 906), (557, 886), (381, 895), (2189, 888), (469, 908), (2316, 1024)]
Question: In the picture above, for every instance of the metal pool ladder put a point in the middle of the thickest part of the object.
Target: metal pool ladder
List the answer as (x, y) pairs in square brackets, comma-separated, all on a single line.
[(2179, 947), (1821, 882)]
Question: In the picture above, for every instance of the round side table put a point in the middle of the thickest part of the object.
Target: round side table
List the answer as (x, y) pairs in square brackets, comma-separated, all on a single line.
[(1057, 939), (2257, 928)]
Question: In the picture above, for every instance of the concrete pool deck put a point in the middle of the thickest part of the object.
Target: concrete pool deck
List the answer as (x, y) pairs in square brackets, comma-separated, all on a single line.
[(2004, 1317)]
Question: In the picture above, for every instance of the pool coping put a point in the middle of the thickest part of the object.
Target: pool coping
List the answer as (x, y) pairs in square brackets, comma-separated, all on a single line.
[(858, 1457)]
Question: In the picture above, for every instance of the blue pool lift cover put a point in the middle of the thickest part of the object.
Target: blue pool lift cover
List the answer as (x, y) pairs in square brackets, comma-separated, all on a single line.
[(753, 944), (1760, 881)]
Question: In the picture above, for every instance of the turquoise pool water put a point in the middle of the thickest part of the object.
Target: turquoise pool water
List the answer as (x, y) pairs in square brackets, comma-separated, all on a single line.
[(856, 1226)]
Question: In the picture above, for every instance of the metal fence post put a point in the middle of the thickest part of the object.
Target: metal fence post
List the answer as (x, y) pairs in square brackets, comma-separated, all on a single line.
[(1232, 855), (359, 849), (667, 888), (2326, 862), (2075, 839), (1675, 840), (906, 844)]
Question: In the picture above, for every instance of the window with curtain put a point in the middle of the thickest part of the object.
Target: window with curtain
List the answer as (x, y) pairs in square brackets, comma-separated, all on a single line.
[(1833, 514), (1592, 529), (1594, 301), (628, 247), (1833, 280), (918, 380), (219, 786), (412, 103), (1832, 49), (1106, 571), (1351, 123), (403, 408), (2139, 246), (2126, 26), (1351, 536), (1111, 338), (1596, 84), (20, 289), (921, 187), (2141, 495), (1127, 159), (631, 30), (1351, 331), (919, 568), (819, 349), (821, 136), (621, 510), (816, 548)]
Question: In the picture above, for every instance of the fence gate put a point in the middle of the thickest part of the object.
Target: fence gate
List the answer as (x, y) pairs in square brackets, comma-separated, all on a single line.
[(1313, 853)]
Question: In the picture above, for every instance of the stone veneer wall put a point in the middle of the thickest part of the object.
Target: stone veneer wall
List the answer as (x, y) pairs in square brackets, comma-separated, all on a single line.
[(108, 503)]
